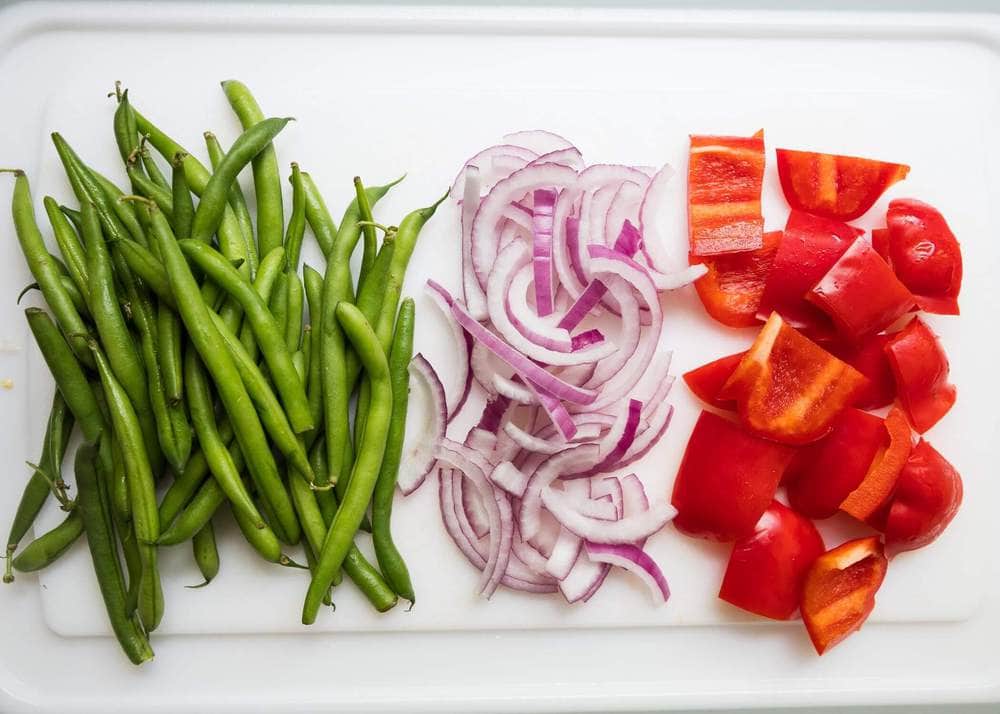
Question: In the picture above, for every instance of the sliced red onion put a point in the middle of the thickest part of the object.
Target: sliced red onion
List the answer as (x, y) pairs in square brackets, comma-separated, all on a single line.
[(545, 201), (629, 529), (564, 554), (540, 141), (611, 486), (629, 337), (568, 461), (583, 580), (556, 410), (494, 414), (528, 554), (419, 458), (634, 498), (480, 367), (462, 379), (481, 440), (483, 161), (512, 259), (602, 508), (612, 451), (654, 242), (508, 477), (475, 298), (519, 214), (573, 250), (537, 330), (679, 278), (506, 164), (623, 209), (567, 157), (517, 361), (634, 560), (656, 426), (649, 390), (485, 239), (473, 519), (513, 390)]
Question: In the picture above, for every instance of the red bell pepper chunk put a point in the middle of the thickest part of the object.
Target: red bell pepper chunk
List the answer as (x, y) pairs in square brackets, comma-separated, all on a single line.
[(788, 388), (809, 247), (869, 358), (880, 242), (925, 255), (767, 569), (732, 287), (726, 480), (725, 174), (928, 494), (839, 592), (860, 293), (921, 369), (841, 187), (867, 501), (706, 381), (823, 474)]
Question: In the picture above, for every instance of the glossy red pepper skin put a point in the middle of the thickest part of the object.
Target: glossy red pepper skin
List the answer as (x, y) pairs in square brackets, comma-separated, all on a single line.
[(860, 293), (869, 358), (809, 247), (921, 369), (834, 186), (725, 175), (839, 591), (927, 497), (824, 473), (788, 388), (732, 287), (880, 242), (868, 501), (767, 570), (706, 381), (726, 480), (925, 255)]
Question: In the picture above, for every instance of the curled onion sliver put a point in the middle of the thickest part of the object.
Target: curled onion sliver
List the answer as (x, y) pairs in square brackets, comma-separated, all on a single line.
[(419, 459), (634, 560)]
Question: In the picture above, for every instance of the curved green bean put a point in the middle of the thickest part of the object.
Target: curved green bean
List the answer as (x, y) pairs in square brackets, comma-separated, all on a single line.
[(69, 244), (206, 554), (47, 548), (180, 197), (237, 202), (267, 276), (297, 221), (369, 246), (318, 216)]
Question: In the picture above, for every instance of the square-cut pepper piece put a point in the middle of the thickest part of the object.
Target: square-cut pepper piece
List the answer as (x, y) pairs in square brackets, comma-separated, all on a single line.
[(921, 369), (860, 293), (788, 388), (732, 287), (725, 175)]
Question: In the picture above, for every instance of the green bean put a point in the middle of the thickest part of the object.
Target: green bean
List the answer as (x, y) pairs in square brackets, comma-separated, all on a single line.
[(144, 186), (278, 305), (110, 193), (206, 554), (268, 547), (220, 462), (142, 494), (119, 485), (208, 342), (46, 271), (120, 350), (186, 484), (266, 179), (79, 302), (337, 288), (265, 328), (389, 560), (145, 265), (367, 464), (305, 353), (170, 342), (47, 548), (297, 221), (327, 499), (73, 216), (317, 216), (371, 292), (180, 194), (368, 231), (126, 133), (237, 202), (133, 563), (70, 379), (267, 276), (149, 163), (69, 244), (45, 479), (91, 506), (299, 362), (314, 383), (213, 198), (268, 407), (196, 515), (293, 321)]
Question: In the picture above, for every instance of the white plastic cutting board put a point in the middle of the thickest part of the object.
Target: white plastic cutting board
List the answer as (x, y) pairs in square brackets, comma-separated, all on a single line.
[(382, 91)]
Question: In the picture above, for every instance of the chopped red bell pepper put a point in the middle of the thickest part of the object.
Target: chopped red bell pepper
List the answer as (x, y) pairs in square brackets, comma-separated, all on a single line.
[(725, 174), (866, 501), (726, 480), (880, 242), (767, 569), (921, 369), (860, 293), (788, 388), (928, 494), (869, 358), (808, 249), (925, 255), (823, 474), (839, 592), (841, 187), (734, 283), (706, 381)]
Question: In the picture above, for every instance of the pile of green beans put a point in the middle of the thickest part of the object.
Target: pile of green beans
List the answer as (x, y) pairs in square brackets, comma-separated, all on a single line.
[(197, 363)]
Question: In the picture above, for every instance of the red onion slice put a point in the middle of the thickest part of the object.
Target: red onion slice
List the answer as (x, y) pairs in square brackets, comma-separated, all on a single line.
[(462, 379), (508, 477), (537, 330), (483, 161), (545, 200), (635, 561), (475, 298), (472, 517), (540, 141), (654, 241), (519, 214), (564, 554), (629, 529), (624, 208), (629, 338), (583, 579), (570, 157), (610, 486), (418, 460), (679, 278), (485, 239), (552, 468), (527, 369), (513, 390), (480, 367)]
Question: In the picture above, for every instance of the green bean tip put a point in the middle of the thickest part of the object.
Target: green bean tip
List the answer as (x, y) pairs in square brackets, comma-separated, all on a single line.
[(199, 585), (17, 172)]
